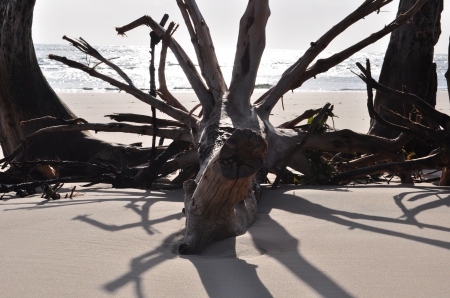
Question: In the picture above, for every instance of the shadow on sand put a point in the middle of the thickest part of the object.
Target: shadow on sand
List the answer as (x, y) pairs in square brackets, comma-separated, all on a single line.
[(224, 273)]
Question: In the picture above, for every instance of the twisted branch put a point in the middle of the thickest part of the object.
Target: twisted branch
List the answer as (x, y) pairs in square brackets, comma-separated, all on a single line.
[(292, 76)]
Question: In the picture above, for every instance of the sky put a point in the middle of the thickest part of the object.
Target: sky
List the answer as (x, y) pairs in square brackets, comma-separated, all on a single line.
[(292, 24)]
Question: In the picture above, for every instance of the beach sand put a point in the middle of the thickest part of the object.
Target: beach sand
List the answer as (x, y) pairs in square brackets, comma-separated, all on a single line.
[(354, 241)]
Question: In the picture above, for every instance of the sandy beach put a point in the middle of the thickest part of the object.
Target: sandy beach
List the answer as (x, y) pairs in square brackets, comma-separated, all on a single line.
[(354, 241), (350, 108)]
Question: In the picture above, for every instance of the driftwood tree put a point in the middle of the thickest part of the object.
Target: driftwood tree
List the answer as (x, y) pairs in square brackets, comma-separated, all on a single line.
[(232, 141), (409, 61), (25, 94), (437, 133)]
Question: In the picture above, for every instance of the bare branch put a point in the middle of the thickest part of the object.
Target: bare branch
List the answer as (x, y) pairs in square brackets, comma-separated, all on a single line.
[(204, 49), (145, 97), (181, 161), (86, 48), (250, 48), (367, 78), (163, 90), (348, 141), (420, 131), (447, 74), (185, 62), (143, 119), (441, 118), (323, 65), (60, 120), (428, 162), (167, 133), (306, 115), (91, 166), (292, 75)]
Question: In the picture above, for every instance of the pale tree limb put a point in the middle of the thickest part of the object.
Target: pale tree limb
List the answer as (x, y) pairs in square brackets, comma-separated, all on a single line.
[(206, 55), (60, 120), (145, 97), (163, 91), (306, 115), (250, 48), (126, 117), (293, 73), (348, 141), (205, 97), (154, 40), (167, 133)]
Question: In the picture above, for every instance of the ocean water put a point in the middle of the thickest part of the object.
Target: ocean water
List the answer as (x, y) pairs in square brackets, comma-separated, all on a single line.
[(134, 60)]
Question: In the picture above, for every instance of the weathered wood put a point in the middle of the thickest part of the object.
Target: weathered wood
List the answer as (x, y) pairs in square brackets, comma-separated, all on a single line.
[(445, 177), (171, 133), (129, 117), (205, 97), (144, 97), (409, 62), (290, 78), (163, 91), (429, 162), (205, 51), (237, 144), (222, 204), (25, 94), (306, 115), (447, 74), (291, 154), (249, 50)]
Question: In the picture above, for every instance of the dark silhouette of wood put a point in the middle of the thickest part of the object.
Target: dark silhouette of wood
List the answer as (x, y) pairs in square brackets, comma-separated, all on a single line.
[(409, 63), (25, 93)]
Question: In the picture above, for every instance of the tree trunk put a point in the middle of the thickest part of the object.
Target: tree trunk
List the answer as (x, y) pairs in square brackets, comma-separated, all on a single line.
[(237, 144), (409, 62), (25, 94)]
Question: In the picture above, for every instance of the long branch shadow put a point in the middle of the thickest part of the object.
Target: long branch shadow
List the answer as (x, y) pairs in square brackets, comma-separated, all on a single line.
[(298, 205), (288, 254), (141, 264), (220, 274), (241, 275), (223, 274), (409, 214), (143, 212)]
